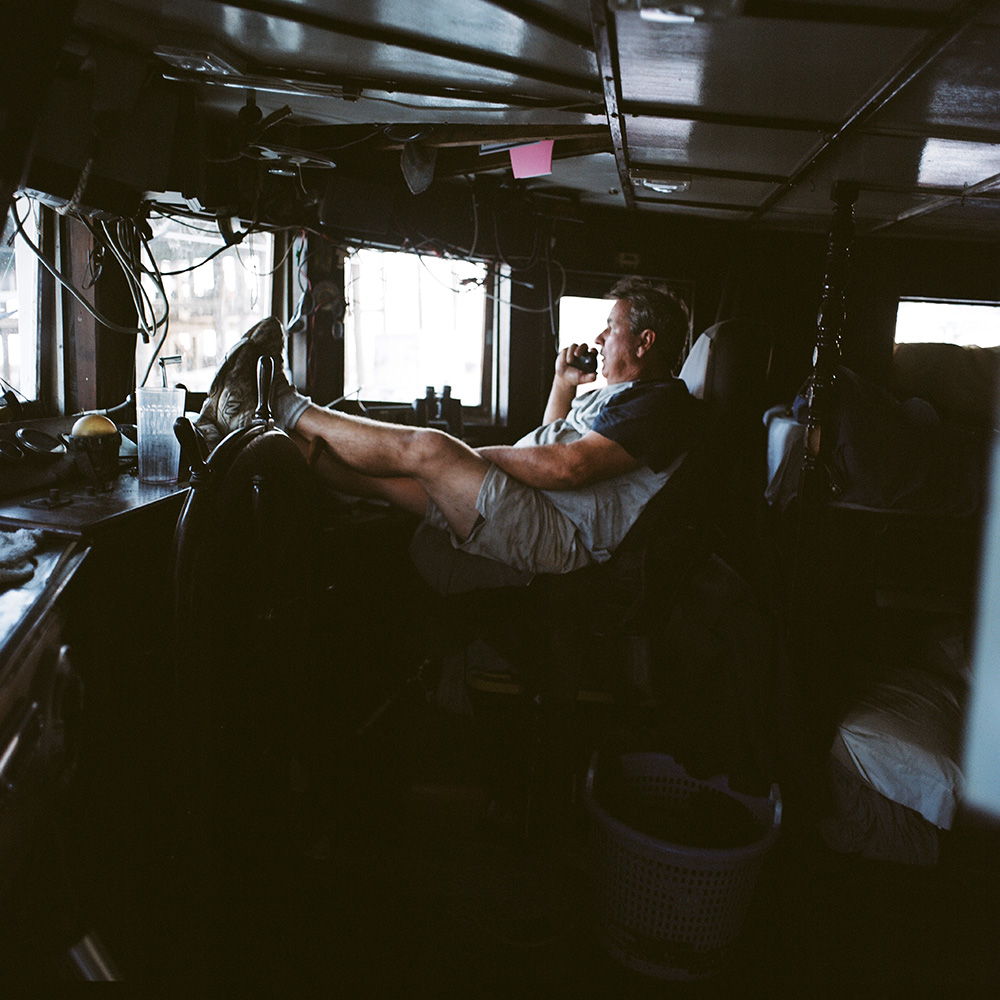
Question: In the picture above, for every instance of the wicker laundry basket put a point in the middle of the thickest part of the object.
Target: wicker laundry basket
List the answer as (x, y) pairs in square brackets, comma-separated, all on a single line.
[(665, 909)]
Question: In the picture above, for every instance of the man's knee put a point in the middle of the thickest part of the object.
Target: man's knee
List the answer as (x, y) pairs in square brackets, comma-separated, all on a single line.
[(428, 448)]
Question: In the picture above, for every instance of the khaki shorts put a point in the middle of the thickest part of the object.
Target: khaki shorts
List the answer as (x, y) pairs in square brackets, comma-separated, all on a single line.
[(520, 533)]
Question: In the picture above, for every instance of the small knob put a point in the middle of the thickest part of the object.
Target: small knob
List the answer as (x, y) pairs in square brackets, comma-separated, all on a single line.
[(265, 375)]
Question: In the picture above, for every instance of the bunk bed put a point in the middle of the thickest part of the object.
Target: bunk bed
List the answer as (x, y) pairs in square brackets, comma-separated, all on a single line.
[(882, 488)]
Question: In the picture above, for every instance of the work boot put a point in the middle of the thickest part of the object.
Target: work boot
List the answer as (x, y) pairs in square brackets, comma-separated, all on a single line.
[(232, 398)]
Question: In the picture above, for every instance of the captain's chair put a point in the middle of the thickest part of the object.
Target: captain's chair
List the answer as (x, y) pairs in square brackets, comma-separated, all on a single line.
[(550, 631), (710, 504)]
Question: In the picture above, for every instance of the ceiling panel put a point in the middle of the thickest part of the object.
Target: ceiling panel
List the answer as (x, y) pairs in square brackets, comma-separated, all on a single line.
[(375, 105), (901, 213), (709, 191), (758, 111), (871, 205), (575, 12), (920, 165), (591, 179), (464, 43), (715, 214), (955, 220), (959, 165), (678, 142), (957, 91), (756, 67)]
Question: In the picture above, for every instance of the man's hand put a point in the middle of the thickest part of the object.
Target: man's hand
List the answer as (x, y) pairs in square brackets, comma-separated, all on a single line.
[(564, 384), (564, 370)]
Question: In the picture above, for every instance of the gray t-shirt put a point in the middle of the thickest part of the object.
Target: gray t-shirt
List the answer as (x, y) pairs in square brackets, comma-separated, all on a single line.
[(524, 531), (602, 512)]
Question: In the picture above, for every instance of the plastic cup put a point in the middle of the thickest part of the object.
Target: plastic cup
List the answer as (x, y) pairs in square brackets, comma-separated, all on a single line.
[(159, 449)]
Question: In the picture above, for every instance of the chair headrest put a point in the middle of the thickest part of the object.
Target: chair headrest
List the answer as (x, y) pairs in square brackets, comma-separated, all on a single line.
[(727, 361), (694, 371)]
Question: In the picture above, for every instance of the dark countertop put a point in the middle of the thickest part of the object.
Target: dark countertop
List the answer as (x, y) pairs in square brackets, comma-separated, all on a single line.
[(74, 517), (48, 491), (77, 510), (23, 606)]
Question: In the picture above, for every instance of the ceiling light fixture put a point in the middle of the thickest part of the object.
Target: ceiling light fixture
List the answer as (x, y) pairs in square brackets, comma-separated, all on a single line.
[(661, 181), (266, 84), (683, 11), (200, 61)]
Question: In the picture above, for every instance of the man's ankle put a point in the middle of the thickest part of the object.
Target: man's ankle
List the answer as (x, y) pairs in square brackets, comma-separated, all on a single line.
[(287, 405)]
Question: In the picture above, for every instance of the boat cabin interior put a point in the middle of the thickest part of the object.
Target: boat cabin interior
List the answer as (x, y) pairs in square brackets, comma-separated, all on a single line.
[(243, 740)]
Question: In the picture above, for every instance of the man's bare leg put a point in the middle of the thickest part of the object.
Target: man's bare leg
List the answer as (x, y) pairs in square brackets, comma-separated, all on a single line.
[(400, 491), (448, 470)]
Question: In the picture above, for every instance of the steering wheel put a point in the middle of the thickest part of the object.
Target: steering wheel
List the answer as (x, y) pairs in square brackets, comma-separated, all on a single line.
[(245, 584)]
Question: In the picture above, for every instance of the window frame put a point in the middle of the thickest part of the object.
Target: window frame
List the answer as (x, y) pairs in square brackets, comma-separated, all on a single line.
[(940, 300), (24, 296), (492, 409)]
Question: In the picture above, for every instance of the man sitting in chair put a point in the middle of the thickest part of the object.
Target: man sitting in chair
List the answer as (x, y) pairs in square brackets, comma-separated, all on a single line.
[(561, 498)]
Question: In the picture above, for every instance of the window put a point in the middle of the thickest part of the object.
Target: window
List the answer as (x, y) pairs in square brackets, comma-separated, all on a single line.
[(415, 321), (967, 324), (213, 300), (19, 303), (581, 320)]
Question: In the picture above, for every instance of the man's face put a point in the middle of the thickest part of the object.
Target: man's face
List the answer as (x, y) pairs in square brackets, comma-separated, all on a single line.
[(618, 345)]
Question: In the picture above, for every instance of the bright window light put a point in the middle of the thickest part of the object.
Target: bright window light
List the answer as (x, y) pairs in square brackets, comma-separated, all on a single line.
[(19, 304), (213, 304), (414, 321), (968, 324), (581, 320)]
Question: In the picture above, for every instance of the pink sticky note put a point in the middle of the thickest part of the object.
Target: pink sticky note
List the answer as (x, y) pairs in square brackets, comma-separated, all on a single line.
[(533, 160)]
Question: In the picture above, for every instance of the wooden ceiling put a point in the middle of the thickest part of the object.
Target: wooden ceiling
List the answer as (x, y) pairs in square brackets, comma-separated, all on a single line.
[(747, 113)]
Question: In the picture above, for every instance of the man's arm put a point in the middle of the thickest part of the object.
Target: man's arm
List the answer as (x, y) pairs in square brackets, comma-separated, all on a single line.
[(564, 383), (587, 460)]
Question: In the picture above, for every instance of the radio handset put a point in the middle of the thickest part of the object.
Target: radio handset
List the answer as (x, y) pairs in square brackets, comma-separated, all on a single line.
[(587, 363)]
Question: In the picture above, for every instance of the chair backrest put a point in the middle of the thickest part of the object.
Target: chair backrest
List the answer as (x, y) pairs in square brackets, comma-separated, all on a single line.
[(728, 366), (708, 504), (722, 479)]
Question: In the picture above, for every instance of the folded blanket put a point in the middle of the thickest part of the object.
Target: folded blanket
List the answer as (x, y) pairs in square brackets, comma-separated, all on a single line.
[(17, 550)]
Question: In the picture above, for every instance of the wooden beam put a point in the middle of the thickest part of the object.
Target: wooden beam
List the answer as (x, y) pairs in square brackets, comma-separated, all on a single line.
[(386, 34), (605, 45), (548, 19)]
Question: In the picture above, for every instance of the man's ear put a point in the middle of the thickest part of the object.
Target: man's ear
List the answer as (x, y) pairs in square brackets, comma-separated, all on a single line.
[(646, 340)]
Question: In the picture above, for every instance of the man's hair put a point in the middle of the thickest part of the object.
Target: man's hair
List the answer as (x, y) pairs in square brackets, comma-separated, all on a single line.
[(657, 307)]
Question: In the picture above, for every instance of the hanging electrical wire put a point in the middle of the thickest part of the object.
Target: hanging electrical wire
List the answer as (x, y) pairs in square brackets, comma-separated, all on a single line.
[(194, 267), (273, 270), (14, 388), (158, 280), (121, 244), (73, 291), (529, 263)]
